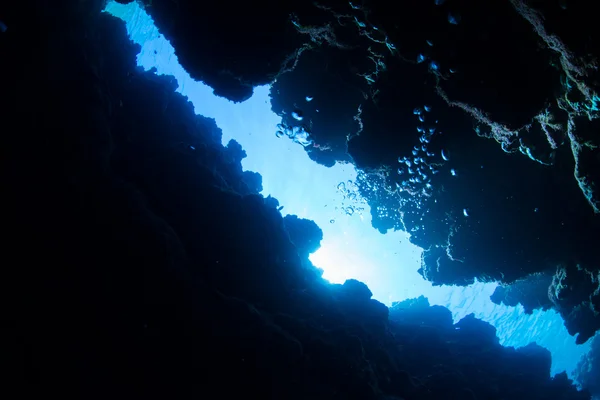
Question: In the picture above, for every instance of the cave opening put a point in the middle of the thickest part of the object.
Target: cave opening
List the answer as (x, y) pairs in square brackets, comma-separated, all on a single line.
[(351, 248)]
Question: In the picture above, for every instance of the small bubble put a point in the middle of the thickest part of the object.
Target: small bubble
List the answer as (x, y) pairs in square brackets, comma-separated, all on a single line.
[(453, 172), (291, 133), (422, 118), (454, 19), (421, 58), (445, 156), (297, 115), (417, 111), (465, 212), (427, 108), (331, 221), (279, 134), (341, 186), (308, 99)]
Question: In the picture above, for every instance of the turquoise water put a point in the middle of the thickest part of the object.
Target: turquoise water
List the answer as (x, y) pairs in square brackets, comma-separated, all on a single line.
[(351, 248)]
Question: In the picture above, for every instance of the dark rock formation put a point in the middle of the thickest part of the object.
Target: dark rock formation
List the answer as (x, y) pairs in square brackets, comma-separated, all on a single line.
[(575, 293), (304, 234), (588, 369), (142, 263), (531, 293)]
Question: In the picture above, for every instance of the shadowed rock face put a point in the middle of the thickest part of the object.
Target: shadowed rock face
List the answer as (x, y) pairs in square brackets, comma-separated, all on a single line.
[(142, 261), (589, 367)]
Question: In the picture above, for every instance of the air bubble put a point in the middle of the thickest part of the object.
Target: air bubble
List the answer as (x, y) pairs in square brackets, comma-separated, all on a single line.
[(445, 156), (454, 19), (297, 115)]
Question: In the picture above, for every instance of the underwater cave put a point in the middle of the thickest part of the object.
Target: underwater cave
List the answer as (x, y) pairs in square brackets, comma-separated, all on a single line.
[(334, 200)]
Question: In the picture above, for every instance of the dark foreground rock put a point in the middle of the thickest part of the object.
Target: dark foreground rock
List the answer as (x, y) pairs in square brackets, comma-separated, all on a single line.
[(588, 369)]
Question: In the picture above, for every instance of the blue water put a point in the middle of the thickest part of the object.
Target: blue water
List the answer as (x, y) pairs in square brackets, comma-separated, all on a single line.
[(351, 248)]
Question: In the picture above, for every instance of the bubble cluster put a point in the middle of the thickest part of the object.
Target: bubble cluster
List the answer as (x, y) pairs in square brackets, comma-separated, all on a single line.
[(415, 172), (297, 133), (352, 201)]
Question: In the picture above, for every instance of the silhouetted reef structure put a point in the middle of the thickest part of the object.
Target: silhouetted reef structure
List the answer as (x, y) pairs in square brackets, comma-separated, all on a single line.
[(480, 138)]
